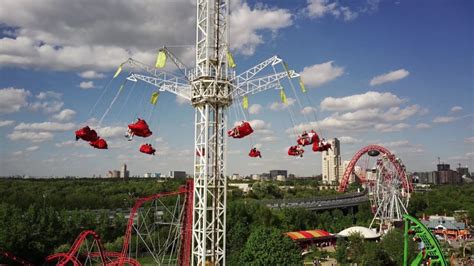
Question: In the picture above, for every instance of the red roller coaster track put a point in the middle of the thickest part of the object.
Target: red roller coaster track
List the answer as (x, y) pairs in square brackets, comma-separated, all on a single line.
[(115, 258), (14, 258), (350, 167)]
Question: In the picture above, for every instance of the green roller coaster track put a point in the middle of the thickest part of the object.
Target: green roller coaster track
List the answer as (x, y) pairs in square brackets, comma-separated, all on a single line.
[(431, 250)]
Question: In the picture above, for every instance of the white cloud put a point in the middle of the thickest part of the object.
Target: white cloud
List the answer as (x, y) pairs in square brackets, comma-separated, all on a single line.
[(389, 77), (45, 126), (456, 109), (399, 114), (48, 95), (95, 42), (370, 99), (320, 74), (64, 115), (12, 99), (30, 136), (112, 132), (91, 74), (391, 127), (469, 140), (247, 24), (181, 100), (255, 109), (424, 111), (268, 139), (71, 143), (32, 148), (444, 119), (363, 120), (320, 8), (86, 85), (258, 124), (308, 110), (396, 144), (348, 140), (4, 123), (17, 153), (47, 106), (85, 156), (423, 126), (278, 106)]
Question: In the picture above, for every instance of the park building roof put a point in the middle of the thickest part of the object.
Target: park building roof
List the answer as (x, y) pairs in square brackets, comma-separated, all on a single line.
[(443, 222), (365, 232), (308, 234)]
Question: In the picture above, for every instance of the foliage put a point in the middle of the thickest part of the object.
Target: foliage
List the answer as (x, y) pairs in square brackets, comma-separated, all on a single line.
[(74, 194), (38, 217), (392, 243), (389, 251), (268, 246)]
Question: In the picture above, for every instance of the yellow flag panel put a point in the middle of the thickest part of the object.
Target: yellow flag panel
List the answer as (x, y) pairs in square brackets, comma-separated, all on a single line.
[(160, 59), (245, 102), (303, 89), (283, 96), (154, 97), (119, 69), (230, 60)]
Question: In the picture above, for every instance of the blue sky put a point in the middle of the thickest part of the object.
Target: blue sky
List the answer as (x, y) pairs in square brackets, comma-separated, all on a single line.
[(395, 73)]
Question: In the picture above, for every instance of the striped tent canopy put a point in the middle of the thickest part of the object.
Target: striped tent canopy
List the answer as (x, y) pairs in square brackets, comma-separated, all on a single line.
[(309, 234)]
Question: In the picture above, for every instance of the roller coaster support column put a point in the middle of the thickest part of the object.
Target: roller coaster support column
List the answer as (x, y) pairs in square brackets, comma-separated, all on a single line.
[(405, 243)]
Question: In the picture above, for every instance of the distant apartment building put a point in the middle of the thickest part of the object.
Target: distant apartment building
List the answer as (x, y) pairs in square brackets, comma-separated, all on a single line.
[(463, 171), (448, 176), (177, 174), (275, 173), (427, 177), (235, 176), (113, 174), (331, 163), (152, 175), (443, 175), (124, 173), (255, 177)]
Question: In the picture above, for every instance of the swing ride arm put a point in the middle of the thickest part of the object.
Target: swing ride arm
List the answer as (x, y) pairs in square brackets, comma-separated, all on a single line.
[(166, 82), (180, 65), (250, 73), (149, 69), (257, 85)]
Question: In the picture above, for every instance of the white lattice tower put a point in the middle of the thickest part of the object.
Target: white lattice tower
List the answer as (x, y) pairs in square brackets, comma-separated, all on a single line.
[(210, 97), (211, 87)]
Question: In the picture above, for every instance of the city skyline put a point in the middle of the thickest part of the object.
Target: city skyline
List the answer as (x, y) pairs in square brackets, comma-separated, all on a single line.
[(375, 72)]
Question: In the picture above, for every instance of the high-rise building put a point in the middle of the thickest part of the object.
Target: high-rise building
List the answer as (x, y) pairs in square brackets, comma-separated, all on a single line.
[(331, 159), (177, 174), (124, 173), (463, 171), (113, 174), (275, 173)]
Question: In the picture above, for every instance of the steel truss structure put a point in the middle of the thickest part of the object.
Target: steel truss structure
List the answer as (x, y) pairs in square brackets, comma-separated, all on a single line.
[(159, 226), (211, 87)]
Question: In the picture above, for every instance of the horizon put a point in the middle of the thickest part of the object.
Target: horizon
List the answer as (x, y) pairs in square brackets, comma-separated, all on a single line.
[(376, 72)]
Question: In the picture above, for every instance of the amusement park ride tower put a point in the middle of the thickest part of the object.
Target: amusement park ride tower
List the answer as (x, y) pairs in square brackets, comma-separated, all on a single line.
[(212, 86)]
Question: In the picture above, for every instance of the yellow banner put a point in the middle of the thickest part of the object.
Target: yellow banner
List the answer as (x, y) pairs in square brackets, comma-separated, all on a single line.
[(230, 60), (119, 69), (303, 89), (154, 97), (245, 102), (160, 59), (287, 69), (283, 96)]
